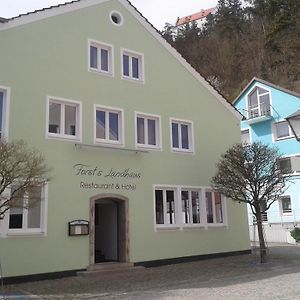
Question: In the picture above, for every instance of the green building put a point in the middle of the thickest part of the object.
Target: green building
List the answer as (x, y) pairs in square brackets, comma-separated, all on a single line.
[(132, 133)]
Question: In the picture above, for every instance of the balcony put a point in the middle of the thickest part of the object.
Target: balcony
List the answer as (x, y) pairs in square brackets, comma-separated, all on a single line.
[(259, 113)]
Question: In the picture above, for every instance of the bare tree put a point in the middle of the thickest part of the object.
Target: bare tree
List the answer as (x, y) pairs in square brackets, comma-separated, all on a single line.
[(22, 170), (252, 174)]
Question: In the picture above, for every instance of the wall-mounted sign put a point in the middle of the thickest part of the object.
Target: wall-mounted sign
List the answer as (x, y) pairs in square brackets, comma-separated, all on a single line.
[(78, 227), (98, 178)]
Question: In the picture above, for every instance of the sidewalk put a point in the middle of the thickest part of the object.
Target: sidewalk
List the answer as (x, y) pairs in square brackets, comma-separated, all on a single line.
[(208, 279)]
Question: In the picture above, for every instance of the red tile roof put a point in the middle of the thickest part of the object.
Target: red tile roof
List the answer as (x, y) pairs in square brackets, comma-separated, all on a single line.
[(194, 17)]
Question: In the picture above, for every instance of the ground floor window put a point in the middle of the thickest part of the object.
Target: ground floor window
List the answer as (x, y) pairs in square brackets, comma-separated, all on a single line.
[(28, 213), (181, 207)]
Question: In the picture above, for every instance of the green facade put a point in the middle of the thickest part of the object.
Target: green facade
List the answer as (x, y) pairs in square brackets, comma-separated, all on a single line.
[(49, 57)]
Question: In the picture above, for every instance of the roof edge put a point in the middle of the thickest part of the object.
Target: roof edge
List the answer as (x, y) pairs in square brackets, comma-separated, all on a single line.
[(266, 83)]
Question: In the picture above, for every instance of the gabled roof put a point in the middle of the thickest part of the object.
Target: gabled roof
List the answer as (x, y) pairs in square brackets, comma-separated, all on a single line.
[(78, 4), (194, 17), (255, 79)]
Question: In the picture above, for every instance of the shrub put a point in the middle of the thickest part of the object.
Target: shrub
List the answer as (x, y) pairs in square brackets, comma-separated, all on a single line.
[(295, 233)]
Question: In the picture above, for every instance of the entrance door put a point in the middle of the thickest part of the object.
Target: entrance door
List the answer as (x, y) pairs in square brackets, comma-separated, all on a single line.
[(109, 235), (106, 231)]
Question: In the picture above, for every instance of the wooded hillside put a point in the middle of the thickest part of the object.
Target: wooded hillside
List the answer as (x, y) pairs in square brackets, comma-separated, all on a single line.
[(238, 42)]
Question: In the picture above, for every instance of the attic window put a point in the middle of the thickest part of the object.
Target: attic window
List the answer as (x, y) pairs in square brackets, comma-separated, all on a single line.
[(116, 18)]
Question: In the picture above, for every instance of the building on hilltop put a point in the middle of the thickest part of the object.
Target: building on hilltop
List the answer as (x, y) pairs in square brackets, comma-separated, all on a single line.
[(199, 17), (266, 107), (95, 88)]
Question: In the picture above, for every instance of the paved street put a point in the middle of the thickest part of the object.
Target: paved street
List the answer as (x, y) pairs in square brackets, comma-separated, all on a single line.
[(239, 277)]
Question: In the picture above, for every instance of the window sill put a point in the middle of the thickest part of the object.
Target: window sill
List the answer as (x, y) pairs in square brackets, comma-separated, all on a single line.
[(182, 151), (167, 227), (99, 72), (284, 138), (150, 148), (140, 81), (63, 137), (25, 234), (193, 227)]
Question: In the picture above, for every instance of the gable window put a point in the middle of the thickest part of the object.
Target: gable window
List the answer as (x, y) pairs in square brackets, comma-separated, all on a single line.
[(245, 136), (182, 137), (190, 200), (148, 131), (100, 57), (109, 125), (165, 206), (28, 213), (214, 207), (259, 103), (132, 65), (64, 118), (282, 130), (285, 205), (3, 113)]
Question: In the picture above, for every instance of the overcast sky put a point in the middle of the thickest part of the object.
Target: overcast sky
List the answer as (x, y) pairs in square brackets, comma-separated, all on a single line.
[(158, 12)]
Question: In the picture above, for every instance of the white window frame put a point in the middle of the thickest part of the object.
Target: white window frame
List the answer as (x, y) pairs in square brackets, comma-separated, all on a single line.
[(107, 141), (249, 131), (179, 222), (158, 134), (140, 58), (63, 102), (258, 100), (201, 207), (282, 213), (42, 231), (101, 45), (5, 111), (165, 188), (190, 136), (275, 136), (224, 212)]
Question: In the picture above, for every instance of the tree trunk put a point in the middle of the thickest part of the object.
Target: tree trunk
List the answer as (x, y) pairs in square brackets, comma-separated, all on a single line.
[(262, 244)]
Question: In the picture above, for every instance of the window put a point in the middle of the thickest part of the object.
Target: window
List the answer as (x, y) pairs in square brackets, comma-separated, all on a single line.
[(116, 18), (214, 207), (285, 165), (109, 126), (100, 57), (181, 136), (148, 131), (183, 207), (28, 215), (3, 113), (132, 66), (285, 205), (64, 118), (190, 201), (282, 130), (259, 103), (165, 206), (245, 134)]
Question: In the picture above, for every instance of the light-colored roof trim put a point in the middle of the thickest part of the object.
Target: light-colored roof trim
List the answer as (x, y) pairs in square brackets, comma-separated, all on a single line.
[(277, 87), (76, 5), (48, 12)]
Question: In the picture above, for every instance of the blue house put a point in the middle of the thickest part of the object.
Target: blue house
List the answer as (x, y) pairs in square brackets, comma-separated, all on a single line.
[(265, 108)]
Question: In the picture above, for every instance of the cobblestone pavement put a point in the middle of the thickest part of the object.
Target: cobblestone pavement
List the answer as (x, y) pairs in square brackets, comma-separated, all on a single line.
[(230, 278)]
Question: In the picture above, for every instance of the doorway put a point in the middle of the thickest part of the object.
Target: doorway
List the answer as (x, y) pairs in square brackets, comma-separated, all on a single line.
[(109, 229)]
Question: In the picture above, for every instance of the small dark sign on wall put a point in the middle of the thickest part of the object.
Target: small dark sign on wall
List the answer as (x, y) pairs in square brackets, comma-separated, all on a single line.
[(78, 227)]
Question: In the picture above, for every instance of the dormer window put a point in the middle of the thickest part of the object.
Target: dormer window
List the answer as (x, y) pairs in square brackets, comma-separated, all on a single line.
[(259, 103)]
